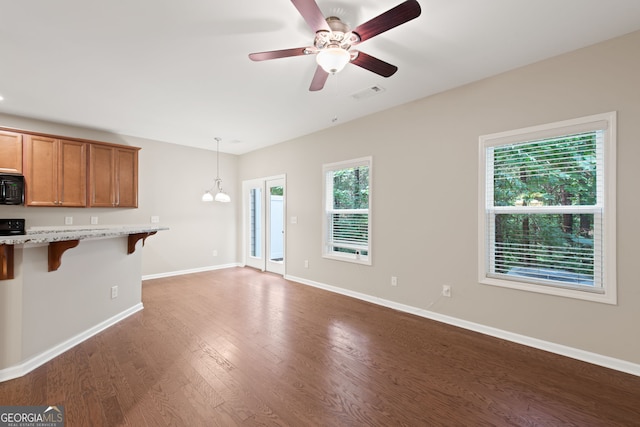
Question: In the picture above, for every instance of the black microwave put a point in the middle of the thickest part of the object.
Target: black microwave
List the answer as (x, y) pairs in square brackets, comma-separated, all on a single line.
[(11, 189)]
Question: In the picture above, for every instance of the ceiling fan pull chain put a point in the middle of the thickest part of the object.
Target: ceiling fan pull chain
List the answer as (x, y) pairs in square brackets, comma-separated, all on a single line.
[(336, 88)]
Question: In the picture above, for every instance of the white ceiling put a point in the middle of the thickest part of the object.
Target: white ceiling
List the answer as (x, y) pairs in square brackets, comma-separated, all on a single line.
[(178, 71)]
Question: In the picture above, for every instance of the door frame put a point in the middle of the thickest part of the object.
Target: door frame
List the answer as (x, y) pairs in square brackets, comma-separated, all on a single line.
[(261, 263)]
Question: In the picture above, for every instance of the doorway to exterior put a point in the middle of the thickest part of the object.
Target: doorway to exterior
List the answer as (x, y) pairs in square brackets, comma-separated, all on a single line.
[(264, 203)]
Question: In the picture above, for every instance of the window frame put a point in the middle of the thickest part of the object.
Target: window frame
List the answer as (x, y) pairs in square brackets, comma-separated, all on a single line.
[(605, 122), (327, 201)]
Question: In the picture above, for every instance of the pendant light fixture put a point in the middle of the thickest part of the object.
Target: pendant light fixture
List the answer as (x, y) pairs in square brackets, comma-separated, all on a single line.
[(220, 196)]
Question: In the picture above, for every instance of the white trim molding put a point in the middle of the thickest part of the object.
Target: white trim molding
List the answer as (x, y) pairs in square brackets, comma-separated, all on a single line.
[(603, 287), (574, 353), (42, 358), (191, 271)]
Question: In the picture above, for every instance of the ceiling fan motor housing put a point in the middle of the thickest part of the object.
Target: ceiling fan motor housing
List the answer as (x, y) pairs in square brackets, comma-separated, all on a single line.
[(339, 37)]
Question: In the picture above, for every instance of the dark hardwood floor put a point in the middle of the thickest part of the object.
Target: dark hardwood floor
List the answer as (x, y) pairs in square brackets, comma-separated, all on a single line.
[(239, 347)]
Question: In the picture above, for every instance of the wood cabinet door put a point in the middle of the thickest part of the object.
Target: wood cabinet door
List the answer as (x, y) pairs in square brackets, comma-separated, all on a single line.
[(10, 152), (127, 173), (72, 173), (41, 161), (102, 176)]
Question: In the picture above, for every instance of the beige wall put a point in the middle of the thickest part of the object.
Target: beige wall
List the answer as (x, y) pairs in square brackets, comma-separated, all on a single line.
[(425, 160), (59, 305)]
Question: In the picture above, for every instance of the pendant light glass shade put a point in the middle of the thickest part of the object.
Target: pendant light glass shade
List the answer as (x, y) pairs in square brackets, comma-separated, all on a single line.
[(207, 197), (220, 196), (333, 59)]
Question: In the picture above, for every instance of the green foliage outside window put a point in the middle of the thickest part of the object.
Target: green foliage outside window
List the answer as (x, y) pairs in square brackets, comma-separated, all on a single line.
[(558, 172), (562, 172), (351, 191), (351, 188)]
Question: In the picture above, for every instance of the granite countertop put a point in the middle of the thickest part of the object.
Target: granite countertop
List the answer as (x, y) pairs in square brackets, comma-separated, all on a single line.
[(62, 233)]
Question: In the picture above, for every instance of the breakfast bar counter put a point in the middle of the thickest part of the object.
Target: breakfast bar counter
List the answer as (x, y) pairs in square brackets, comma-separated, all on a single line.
[(61, 285), (55, 234), (61, 239)]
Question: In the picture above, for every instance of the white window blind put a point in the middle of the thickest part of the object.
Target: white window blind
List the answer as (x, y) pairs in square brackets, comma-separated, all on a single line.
[(347, 225), (349, 229), (546, 220)]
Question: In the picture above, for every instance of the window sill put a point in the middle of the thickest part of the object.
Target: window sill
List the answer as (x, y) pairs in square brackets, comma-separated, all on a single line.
[(605, 298), (349, 258)]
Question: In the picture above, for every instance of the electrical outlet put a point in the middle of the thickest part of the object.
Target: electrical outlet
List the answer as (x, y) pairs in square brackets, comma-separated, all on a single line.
[(215, 252), (94, 220), (114, 292), (394, 281), (68, 220), (155, 219), (446, 291), (306, 263)]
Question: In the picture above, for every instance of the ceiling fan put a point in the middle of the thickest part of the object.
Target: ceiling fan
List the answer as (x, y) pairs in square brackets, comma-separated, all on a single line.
[(334, 40)]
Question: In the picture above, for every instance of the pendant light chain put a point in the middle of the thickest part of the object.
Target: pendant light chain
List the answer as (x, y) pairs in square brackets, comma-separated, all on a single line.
[(218, 160)]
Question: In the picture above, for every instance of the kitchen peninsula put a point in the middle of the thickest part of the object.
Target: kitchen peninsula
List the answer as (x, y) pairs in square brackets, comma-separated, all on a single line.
[(61, 285)]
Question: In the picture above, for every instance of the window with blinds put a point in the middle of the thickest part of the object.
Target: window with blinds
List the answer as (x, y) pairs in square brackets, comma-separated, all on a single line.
[(547, 201), (347, 225)]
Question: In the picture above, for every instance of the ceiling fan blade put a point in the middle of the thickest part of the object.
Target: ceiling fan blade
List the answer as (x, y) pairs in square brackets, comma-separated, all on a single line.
[(312, 14), (319, 79), (373, 64), (398, 15), (275, 54)]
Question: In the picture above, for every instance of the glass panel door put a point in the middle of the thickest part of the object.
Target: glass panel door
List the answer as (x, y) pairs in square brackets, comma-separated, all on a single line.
[(275, 232), (264, 224), (253, 194)]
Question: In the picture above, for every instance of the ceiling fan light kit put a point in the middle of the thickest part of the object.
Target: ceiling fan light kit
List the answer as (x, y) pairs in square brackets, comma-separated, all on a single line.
[(333, 40), (333, 59)]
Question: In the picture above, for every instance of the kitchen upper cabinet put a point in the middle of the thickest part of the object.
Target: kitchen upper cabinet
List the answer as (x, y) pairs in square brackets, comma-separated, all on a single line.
[(10, 152), (55, 172), (113, 176), (71, 172), (127, 184)]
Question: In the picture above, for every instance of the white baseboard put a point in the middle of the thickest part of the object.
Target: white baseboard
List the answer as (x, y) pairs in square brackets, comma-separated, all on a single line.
[(194, 270), (42, 358), (574, 353), (585, 356)]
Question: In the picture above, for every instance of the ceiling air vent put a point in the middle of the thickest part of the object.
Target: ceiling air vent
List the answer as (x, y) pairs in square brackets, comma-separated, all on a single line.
[(368, 92)]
